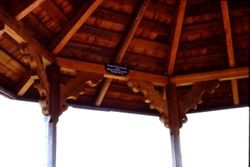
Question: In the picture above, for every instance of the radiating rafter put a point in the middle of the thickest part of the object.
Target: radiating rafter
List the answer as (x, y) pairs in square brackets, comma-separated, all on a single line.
[(175, 37), (24, 35), (230, 50), (25, 8), (124, 46), (74, 25)]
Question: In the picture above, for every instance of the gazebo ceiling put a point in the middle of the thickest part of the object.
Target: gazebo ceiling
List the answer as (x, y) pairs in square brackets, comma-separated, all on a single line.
[(159, 41)]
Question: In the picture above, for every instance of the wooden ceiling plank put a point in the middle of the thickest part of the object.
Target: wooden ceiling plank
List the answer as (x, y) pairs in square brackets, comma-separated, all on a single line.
[(74, 25), (54, 12), (36, 49), (176, 35), (21, 11), (230, 49), (23, 35), (159, 80), (123, 48)]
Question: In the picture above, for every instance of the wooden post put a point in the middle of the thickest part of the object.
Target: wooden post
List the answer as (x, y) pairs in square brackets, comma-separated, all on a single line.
[(53, 73), (174, 125)]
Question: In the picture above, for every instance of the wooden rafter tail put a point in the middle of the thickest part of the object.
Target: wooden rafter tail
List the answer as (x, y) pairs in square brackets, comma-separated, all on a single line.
[(175, 37), (151, 96), (123, 48), (74, 25), (194, 97), (229, 44)]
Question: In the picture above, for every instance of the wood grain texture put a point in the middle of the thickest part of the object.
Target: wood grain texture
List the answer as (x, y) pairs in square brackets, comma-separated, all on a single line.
[(76, 22), (176, 36), (123, 48), (230, 49)]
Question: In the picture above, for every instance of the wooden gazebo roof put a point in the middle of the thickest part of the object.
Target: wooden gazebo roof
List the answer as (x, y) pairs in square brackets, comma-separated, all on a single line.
[(160, 41), (155, 57)]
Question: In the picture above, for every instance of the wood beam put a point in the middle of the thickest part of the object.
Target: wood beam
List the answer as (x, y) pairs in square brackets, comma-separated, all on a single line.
[(74, 25), (230, 49), (26, 83), (100, 69), (6, 93), (54, 12), (160, 80), (24, 34), (25, 8), (174, 125), (222, 75), (176, 36), (124, 47)]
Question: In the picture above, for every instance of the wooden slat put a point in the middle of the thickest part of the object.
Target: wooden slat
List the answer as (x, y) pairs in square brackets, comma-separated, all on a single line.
[(24, 35), (76, 22), (6, 93), (54, 12), (160, 80), (230, 49), (25, 84), (176, 36), (20, 11), (123, 48), (11, 63), (16, 30)]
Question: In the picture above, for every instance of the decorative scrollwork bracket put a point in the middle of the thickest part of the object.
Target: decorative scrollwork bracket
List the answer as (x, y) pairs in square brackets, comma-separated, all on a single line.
[(151, 96), (194, 97), (77, 86)]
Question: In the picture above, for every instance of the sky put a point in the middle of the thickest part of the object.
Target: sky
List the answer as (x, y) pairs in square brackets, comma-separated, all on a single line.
[(96, 138)]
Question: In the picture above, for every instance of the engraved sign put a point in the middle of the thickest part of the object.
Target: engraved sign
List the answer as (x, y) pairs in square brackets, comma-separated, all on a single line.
[(117, 69)]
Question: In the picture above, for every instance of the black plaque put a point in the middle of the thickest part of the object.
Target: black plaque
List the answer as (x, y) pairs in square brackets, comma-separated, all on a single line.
[(117, 69)]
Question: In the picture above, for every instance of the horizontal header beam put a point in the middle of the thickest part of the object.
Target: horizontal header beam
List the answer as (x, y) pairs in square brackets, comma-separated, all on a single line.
[(160, 80)]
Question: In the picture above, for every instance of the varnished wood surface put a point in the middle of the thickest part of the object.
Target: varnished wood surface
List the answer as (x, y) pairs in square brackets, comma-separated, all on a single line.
[(205, 41)]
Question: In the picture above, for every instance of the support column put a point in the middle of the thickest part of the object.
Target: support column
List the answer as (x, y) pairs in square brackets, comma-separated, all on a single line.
[(174, 125), (53, 73)]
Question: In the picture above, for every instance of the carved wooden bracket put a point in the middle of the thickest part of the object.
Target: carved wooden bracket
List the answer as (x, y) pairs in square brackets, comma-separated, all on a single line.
[(193, 97), (29, 60), (77, 86), (44, 100), (151, 96)]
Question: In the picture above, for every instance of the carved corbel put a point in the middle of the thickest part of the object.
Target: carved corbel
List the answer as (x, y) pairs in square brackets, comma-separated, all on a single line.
[(44, 99), (151, 96), (77, 86), (29, 60), (194, 97)]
